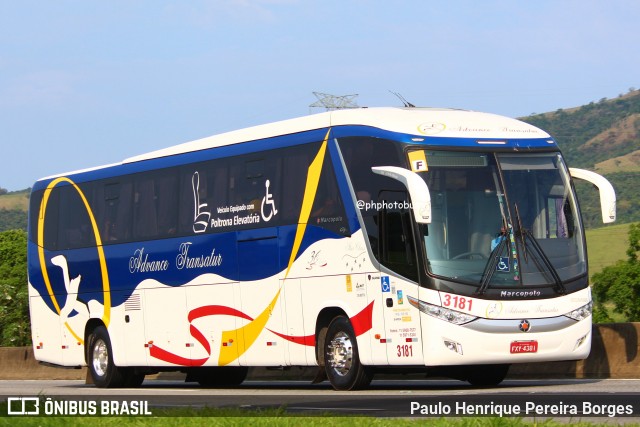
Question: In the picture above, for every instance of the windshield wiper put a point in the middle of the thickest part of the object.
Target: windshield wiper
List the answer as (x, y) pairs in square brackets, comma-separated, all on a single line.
[(519, 232), (525, 235), (547, 262)]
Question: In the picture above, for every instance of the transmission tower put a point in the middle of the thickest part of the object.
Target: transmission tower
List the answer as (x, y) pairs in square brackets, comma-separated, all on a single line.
[(334, 102)]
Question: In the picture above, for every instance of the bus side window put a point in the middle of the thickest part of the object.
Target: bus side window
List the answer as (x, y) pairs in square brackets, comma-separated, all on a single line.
[(360, 154), (295, 164), (74, 222), (51, 220), (167, 204), (155, 205), (145, 218), (117, 218), (328, 209), (253, 185)]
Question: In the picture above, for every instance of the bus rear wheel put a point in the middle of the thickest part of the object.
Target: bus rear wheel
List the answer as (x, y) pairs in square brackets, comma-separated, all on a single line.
[(341, 357), (104, 372)]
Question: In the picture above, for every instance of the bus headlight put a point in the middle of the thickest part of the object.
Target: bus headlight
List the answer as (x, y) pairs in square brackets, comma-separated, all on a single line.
[(451, 316), (581, 313)]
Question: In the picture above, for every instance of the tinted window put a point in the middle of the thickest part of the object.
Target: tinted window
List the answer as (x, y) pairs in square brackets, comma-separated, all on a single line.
[(328, 209), (257, 190), (52, 215), (75, 229), (360, 154)]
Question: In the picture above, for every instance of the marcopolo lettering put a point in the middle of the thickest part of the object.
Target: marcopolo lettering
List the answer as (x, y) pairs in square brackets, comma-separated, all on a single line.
[(520, 294)]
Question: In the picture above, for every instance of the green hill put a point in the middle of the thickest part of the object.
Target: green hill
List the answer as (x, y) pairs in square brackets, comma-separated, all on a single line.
[(18, 200), (13, 209), (603, 137), (595, 132)]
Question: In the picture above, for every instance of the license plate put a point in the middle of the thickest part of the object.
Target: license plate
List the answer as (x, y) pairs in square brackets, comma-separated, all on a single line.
[(524, 347)]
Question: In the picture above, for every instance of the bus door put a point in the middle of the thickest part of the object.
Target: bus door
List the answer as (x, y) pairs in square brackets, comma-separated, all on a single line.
[(398, 279)]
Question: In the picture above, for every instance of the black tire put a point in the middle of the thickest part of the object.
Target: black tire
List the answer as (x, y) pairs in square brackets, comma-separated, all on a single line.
[(223, 376), (341, 357), (104, 372), (487, 375)]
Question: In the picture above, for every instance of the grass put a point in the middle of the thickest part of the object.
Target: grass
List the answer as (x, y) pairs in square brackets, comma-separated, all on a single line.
[(237, 417), (606, 246), (17, 200), (277, 417), (280, 417)]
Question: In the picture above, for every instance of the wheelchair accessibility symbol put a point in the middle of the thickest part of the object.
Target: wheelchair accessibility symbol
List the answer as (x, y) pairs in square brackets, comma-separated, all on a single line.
[(267, 201), (386, 286), (503, 264)]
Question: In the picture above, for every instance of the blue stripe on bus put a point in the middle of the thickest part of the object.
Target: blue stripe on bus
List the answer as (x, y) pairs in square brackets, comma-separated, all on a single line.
[(287, 141), (195, 157)]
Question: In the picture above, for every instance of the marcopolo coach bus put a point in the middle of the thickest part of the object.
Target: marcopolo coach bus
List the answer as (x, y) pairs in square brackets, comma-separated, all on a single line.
[(439, 240)]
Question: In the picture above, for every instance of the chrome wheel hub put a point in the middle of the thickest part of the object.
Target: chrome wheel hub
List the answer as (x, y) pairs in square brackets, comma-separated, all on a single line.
[(340, 354), (100, 358)]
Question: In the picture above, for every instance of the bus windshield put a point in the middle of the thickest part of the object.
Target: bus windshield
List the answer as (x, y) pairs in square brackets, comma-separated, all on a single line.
[(502, 220)]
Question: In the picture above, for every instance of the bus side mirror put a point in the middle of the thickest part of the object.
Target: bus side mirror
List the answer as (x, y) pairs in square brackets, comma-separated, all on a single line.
[(607, 193), (417, 188)]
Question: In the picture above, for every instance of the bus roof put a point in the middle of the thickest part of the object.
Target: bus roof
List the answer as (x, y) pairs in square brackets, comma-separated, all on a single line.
[(422, 122)]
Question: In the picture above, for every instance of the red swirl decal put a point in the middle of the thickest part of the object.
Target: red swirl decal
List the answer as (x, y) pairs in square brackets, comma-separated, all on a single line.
[(362, 322)]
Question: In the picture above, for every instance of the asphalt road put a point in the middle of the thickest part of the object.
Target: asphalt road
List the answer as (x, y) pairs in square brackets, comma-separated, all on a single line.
[(568, 399)]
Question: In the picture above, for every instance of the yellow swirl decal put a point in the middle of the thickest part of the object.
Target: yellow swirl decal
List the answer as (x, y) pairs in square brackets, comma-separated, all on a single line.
[(106, 317), (246, 335)]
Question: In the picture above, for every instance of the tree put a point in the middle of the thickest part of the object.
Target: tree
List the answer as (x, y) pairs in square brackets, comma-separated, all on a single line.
[(620, 283), (14, 300), (13, 219)]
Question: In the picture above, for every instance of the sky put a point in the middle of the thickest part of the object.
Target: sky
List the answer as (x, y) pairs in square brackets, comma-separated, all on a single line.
[(87, 83)]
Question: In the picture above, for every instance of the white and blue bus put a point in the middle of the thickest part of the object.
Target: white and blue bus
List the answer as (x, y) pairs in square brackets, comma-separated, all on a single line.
[(357, 240)]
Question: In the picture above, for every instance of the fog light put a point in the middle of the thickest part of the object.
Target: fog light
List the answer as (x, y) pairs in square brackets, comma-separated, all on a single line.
[(453, 346), (580, 341)]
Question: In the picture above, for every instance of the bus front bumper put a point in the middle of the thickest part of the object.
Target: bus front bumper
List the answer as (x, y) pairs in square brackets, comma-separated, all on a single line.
[(497, 341)]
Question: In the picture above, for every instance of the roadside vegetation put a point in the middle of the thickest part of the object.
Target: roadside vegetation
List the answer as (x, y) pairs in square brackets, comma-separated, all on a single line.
[(15, 330), (616, 289)]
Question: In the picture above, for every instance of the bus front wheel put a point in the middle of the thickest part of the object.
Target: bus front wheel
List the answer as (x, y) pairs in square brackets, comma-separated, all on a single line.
[(342, 361)]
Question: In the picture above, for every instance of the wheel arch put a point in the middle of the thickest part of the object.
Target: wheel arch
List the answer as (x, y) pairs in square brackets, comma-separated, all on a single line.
[(323, 320), (91, 326)]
